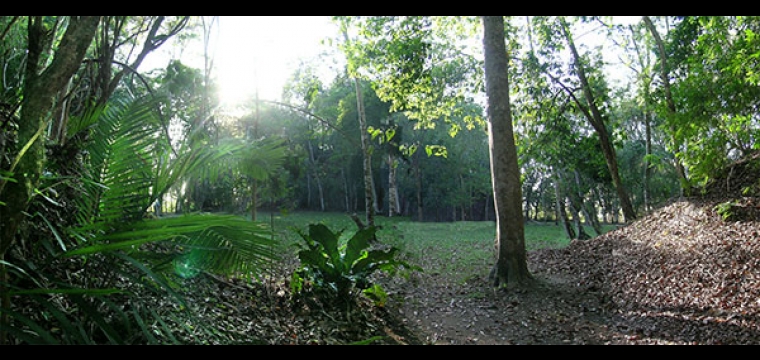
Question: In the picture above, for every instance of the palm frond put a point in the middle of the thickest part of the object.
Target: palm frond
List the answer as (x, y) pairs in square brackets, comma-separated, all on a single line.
[(125, 138), (222, 244), (262, 158)]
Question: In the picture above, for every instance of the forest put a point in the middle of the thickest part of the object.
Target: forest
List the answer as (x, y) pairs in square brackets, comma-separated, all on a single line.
[(460, 180)]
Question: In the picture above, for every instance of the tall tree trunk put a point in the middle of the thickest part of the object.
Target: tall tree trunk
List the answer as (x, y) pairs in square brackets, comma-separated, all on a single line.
[(39, 93), (315, 172), (587, 206), (561, 211), (511, 268), (668, 100), (369, 189), (594, 116), (528, 199), (589, 211), (646, 82), (393, 201), (544, 204), (418, 185), (576, 206), (647, 163)]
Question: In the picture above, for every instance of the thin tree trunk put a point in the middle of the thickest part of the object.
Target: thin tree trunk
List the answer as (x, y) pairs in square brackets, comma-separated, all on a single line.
[(321, 192), (369, 189), (594, 116), (528, 200), (561, 211), (315, 172), (589, 211), (418, 185), (668, 100), (587, 207), (646, 82), (544, 204), (647, 163), (575, 209), (511, 267), (393, 201)]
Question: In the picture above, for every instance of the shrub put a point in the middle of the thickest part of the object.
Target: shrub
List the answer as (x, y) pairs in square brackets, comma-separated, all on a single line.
[(342, 270)]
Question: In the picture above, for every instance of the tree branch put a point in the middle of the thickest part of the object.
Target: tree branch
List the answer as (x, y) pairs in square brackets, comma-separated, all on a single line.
[(8, 27)]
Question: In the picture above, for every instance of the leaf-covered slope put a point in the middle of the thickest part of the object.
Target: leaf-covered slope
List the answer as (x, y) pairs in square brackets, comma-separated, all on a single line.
[(688, 272)]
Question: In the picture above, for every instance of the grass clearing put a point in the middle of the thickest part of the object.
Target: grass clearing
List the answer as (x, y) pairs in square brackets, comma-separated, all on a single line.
[(467, 247)]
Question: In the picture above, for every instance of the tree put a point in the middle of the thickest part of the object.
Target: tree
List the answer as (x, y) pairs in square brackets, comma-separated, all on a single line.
[(128, 163), (41, 85), (369, 193), (593, 114), (712, 62), (511, 263), (671, 106)]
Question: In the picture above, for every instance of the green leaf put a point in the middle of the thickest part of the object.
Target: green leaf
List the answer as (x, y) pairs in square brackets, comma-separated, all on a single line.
[(357, 244), (329, 240), (36, 334), (93, 313), (71, 333), (145, 330)]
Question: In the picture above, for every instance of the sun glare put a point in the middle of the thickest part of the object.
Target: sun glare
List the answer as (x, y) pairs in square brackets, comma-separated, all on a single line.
[(259, 53)]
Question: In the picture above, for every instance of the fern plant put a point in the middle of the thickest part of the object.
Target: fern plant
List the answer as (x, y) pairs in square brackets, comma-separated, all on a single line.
[(130, 164), (342, 270)]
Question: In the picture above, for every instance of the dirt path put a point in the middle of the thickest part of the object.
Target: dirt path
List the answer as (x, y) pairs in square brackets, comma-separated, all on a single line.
[(553, 311)]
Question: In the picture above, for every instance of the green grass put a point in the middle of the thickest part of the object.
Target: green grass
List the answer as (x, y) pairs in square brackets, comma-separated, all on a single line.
[(462, 249), (284, 225)]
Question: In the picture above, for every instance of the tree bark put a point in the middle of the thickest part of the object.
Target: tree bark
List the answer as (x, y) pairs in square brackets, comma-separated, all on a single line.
[(561, 211), (647, 163), (418, 184), (393, 201), (369, 189), (315, 172), (511, 267), (40, 89), (39, 94), (587, 206)]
